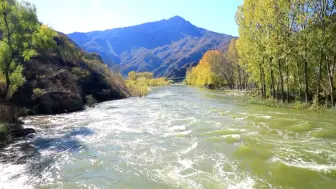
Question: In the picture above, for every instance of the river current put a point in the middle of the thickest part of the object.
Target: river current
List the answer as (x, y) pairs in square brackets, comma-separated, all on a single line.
[(176, 137)]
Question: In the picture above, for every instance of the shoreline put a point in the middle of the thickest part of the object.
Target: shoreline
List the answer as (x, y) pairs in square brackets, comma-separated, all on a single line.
[(268, 102)]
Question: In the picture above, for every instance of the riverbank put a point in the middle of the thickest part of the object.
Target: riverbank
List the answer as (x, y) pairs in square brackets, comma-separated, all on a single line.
[(249, 97), (297, 105), (10, 125)]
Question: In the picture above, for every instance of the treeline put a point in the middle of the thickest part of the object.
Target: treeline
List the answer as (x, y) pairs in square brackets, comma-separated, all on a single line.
[(138, 83), (288, 48), (218, 70)]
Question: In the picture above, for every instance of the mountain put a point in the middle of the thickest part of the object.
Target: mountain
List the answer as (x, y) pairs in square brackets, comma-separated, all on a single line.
[(165, 47)]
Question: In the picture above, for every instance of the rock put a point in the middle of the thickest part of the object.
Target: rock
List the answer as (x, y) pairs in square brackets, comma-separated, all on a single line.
[(17, 133), (59, 102)]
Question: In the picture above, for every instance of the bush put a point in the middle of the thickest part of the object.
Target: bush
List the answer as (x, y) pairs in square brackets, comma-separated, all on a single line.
[(5, 137), (38, 92), (79, 72), (137, 88), (90, 101), (138, 83), (3, 128)]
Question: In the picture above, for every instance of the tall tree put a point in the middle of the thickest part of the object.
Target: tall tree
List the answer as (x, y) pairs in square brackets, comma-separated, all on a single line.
[(21, 36)]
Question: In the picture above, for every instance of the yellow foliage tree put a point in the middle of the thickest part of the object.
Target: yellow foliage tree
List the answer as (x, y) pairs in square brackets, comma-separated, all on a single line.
[(203, 75)]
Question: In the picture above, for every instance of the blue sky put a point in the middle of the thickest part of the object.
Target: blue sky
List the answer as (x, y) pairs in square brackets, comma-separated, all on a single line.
[(88, 15)]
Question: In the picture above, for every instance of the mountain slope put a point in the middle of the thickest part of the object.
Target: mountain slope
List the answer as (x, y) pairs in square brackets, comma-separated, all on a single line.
[(60, 81), (166, 47)]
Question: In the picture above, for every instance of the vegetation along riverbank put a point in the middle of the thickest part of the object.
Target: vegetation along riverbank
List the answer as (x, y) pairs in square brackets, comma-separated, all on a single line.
[(286, 50), (139, 83)]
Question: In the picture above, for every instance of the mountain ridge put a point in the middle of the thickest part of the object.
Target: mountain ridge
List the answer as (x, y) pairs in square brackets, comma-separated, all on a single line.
[(166, 47)]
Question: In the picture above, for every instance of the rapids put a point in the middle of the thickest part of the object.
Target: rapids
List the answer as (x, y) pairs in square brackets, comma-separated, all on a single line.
[(176, 137)]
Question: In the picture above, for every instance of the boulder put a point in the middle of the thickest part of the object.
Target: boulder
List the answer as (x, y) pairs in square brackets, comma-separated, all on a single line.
[(17, 133)]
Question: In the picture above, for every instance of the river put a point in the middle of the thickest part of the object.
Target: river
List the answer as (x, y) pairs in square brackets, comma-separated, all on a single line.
[(176, 137)]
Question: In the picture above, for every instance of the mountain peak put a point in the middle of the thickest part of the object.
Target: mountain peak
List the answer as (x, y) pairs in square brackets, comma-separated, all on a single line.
[(176, 18)]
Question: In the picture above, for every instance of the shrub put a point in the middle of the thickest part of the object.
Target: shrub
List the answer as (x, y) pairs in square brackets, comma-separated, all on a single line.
[(79, 72), (138, 83), (138, 88), (5, 137), (90, 101), (3, 128), (38, 92)]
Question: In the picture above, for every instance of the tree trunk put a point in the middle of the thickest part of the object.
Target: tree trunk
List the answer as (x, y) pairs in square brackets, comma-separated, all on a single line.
[(261, 82), (239, 78), (264, 85), (277, 90), (246, 80), (299, 80), (331, 81), (319, 76), (281, 80), (287, 82), (9, 42), (243, 80), (7, 83), (306, 80), (295, 80), (272, 80)]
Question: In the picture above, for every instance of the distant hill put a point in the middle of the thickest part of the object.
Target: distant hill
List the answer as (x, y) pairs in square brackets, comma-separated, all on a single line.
[(166, 47)]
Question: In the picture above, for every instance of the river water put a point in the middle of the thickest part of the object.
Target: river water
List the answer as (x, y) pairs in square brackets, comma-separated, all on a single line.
[(177, 137)]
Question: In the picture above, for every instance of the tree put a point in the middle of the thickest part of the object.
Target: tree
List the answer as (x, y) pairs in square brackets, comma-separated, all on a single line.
[(217, 69), (20, 31), (232, 56), (132, 76), (203, 75)]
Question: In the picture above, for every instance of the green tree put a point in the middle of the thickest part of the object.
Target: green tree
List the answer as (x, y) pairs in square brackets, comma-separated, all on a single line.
[(20, 31), (289, 46)]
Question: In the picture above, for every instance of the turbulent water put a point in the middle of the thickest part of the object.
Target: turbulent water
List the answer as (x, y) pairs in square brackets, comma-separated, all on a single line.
[(177, 137)]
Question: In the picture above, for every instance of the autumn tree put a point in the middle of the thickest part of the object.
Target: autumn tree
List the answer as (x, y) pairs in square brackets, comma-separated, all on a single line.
[(217, 69)]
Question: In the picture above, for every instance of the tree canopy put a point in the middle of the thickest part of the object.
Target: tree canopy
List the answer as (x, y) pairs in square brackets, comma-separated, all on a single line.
[(22, 37)]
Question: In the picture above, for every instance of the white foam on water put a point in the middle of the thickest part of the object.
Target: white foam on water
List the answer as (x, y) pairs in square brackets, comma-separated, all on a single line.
[(306, 165), (240, 118), (235, 136), (184, 133), (186, 163), (160, 95), (13, 176), (178, 128), (267, 117), (247, 183), (192, 147), (174, 176)]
